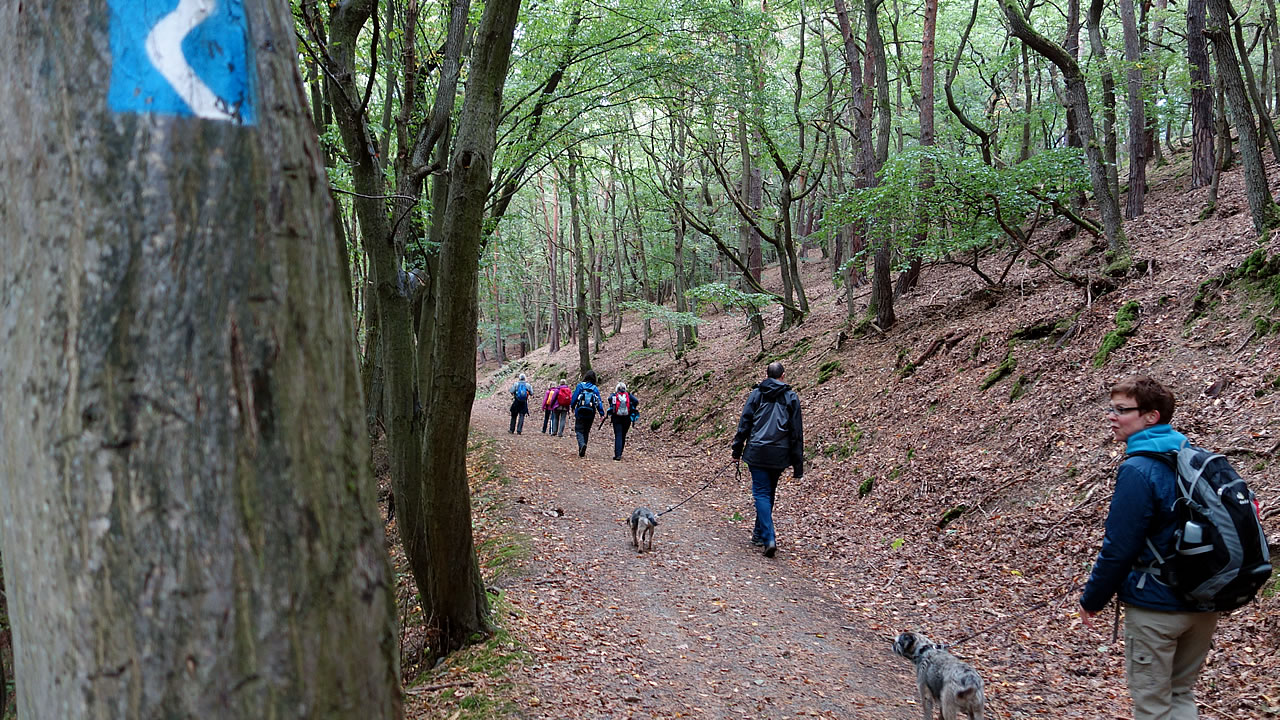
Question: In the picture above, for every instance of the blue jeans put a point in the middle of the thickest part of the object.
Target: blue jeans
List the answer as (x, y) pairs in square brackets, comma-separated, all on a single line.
[(764, 486)]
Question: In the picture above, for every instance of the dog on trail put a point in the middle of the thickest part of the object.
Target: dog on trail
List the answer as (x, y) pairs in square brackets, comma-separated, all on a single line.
[(942, 678), (643, 521)]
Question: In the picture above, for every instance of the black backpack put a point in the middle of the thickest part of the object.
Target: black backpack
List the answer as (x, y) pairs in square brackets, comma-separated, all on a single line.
[(1220, 556), (588, 398)]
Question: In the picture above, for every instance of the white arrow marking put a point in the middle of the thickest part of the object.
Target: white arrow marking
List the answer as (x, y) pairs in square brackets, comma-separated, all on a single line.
[(164, 49)]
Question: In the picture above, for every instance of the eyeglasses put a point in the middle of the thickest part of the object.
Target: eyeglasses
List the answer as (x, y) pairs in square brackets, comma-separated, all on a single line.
[(1120, 409)]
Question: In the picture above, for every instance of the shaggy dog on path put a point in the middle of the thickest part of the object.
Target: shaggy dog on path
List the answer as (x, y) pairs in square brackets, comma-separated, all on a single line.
[(941, 678), (643, 521)]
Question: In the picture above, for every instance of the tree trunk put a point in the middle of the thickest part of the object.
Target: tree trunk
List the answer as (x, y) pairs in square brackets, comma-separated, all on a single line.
[(196, 531), (1108, 98), (456, 594), (1201, 96), (1078, 103), (579, 268), (1268, 128), (1261, 205), (911, 276), (1137, 111)]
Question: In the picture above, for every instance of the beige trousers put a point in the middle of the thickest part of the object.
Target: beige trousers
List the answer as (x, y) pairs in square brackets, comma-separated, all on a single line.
[(1163, 654)]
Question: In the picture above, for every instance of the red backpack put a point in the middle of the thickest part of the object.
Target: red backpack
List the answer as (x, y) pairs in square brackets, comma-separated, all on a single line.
[(563, 396), (621, 403)]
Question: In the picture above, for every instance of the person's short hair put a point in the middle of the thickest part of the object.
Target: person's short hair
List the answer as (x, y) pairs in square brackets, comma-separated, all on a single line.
[(590, 377), (1148, 394), (522, 376), (774, 370), (621, 387)]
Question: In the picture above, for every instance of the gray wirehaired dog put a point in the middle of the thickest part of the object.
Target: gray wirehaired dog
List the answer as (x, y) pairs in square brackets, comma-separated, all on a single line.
[(643, 521), (942, 678)]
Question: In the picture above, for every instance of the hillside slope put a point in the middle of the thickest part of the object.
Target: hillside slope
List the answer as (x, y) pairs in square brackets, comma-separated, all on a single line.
[(931, 503)]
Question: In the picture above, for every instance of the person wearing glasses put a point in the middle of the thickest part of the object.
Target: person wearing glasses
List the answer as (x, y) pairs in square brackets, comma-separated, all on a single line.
[(1165, 639)]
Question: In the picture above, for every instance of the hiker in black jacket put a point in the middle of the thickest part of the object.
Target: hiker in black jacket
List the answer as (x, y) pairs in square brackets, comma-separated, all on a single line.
[(770, 438)]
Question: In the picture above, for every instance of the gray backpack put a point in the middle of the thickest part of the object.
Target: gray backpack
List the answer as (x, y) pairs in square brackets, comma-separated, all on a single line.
[(1220, 556)]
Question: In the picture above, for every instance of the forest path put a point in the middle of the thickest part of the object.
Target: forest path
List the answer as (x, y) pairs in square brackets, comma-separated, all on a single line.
[(704, 625)]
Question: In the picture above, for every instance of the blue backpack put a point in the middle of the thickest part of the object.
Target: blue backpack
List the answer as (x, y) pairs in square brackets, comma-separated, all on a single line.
[(588, 398), (522, 390)]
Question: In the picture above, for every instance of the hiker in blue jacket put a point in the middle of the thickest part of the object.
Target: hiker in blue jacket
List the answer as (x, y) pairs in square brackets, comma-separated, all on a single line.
[(519, 405), (1165, 639), (770, 438), (586, 405)]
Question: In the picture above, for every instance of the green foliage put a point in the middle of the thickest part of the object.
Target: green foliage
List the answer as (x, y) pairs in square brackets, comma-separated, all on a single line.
[(866, 486), (1126, 325), (729, 297), (957, 213)]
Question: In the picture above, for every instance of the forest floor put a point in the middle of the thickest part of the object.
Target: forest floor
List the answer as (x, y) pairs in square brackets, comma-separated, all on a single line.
[(961, 493)]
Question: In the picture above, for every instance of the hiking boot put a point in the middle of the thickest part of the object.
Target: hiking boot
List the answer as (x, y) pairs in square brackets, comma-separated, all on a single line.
[(770, 550), (617, 457), (582, 450), (757, 541)]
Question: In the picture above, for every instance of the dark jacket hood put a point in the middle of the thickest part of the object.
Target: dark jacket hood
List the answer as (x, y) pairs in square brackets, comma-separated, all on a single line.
[(773, 390)]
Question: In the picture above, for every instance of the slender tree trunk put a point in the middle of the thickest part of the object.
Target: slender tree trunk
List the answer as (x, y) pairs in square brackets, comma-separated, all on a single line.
[(190, 528), (579, 267), (984, 137), (881, 279), (1108, 97), (552, 217), (1201, 96), (1267, 127), (864, 157), (911, 276), (1261, 205), (1137, 111), (1024, 144)]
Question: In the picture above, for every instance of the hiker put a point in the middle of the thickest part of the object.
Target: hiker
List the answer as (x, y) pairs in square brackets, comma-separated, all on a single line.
[(586, 405), (770, 438), (519, 405), (1165, 639), (548, 399), (560, 407), (622, 409)]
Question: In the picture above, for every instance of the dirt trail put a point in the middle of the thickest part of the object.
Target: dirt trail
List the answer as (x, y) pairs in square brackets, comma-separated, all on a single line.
[(703, 626)]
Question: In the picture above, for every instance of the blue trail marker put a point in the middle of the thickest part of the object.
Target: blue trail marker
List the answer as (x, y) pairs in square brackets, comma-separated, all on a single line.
[(182, 57)]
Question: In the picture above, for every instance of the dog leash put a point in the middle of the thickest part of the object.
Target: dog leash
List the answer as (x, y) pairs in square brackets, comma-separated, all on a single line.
[(714, 477), (1011, 618)]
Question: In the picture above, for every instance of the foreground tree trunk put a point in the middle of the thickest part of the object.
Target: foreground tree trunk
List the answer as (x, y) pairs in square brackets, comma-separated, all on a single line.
[(456, 591), (189, 526)]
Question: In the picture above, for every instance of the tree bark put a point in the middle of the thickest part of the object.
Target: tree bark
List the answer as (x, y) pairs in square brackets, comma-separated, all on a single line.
[(579, 267), (1137, 111), (195, 532), (1201, 96), (1261, 205), (1108, 98), (456, 593), (1267, 127)]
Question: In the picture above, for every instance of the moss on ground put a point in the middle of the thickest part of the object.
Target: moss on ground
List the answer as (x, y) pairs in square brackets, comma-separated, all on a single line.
[(1126, 326)]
